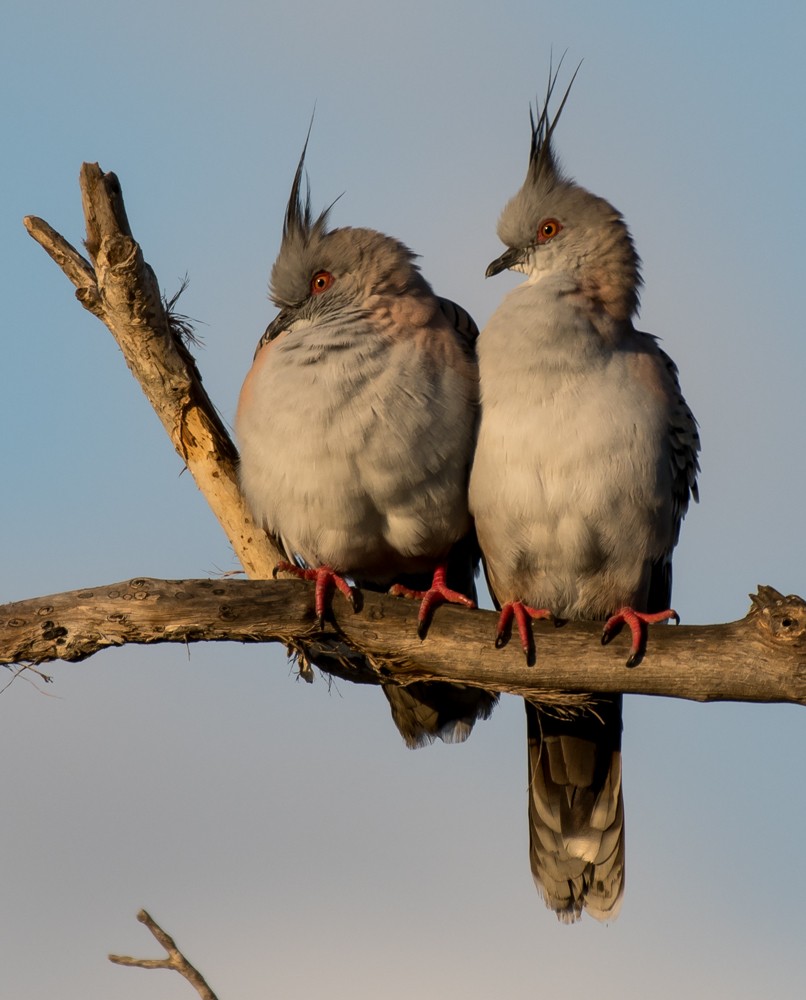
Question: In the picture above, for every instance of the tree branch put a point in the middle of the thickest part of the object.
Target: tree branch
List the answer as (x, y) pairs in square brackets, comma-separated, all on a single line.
[(175, 960), (121, 289), (761, 658)]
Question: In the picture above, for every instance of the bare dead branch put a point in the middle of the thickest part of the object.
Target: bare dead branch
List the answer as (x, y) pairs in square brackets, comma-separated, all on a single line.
[(27, 672), (77, 269), (760, 658), (120, 289), (175, 960)]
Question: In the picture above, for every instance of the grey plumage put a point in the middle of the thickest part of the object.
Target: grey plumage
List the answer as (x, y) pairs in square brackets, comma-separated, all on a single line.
[(355, 427), (585, 464)]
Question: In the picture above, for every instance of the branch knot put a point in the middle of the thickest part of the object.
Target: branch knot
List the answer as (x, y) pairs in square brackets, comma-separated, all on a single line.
[(782, 618)]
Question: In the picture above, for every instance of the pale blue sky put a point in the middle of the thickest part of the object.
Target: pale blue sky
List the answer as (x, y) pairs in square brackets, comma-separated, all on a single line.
[(283, 832)]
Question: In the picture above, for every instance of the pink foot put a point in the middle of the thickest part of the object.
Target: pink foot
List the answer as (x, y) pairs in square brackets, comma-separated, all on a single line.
[(638, 621), (521, 613), (438, 593), (325, 578)]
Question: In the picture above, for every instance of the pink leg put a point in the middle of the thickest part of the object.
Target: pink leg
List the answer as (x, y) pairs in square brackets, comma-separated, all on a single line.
[(637, 621), (438, 593), (521, 613), (325, 578)]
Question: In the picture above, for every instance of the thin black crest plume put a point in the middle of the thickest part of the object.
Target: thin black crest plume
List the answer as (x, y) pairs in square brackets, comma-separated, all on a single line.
[(540, 155), (299, 222), (298, 213)]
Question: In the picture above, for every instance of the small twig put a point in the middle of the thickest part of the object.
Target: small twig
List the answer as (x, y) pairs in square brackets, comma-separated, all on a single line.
[(26, 668), (75, 266), (175, 960)]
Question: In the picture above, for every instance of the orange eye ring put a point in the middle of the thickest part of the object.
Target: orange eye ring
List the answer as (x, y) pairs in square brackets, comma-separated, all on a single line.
[(548, 229), (320, 282)]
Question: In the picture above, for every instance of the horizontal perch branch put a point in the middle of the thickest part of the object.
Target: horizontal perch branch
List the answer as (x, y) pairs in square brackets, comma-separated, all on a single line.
[(761, 658)]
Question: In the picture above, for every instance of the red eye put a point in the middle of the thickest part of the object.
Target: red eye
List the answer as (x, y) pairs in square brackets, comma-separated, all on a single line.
[(547, 230), (320, 282)]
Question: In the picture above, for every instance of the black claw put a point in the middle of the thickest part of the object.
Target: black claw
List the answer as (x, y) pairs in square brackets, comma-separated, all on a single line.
[(675, 618), (635, 658), (606, 637), (321, 621), (422, 629), (500, 641)]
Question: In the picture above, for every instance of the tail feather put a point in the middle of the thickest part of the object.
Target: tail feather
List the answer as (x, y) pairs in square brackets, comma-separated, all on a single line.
[(426, 711), (576, 811)]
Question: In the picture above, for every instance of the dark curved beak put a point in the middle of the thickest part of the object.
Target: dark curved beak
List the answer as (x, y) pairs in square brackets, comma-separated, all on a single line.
[(507, 259), (277, 326)]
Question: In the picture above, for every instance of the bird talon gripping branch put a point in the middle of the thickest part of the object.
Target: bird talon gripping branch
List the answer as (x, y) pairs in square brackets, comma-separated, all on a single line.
[(522, 614), (637, 622), (438, 593), (325, 579)]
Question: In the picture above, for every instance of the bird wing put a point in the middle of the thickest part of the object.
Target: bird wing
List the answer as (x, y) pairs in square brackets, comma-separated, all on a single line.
[(683, 448), (461, 320)]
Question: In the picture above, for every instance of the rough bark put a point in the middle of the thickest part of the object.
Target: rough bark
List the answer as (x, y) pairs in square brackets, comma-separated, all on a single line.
[(174, 959), (761, 658), (121, 289)]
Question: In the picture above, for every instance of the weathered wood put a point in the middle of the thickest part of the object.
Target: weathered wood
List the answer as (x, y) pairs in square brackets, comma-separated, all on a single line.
[(761, 658), (121, 289), (174, 959)]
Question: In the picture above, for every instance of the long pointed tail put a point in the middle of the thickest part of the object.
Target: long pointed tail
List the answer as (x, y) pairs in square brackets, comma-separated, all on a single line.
[(576, 810)]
